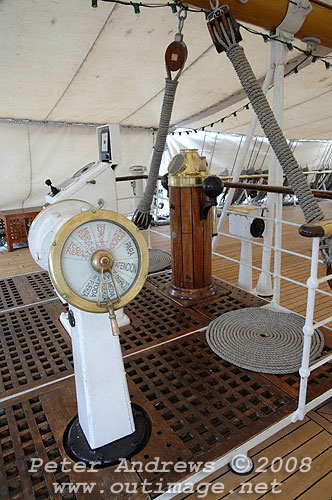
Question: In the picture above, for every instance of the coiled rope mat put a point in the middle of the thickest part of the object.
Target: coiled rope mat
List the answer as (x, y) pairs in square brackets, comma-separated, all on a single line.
[(158, 260), (261, 340)]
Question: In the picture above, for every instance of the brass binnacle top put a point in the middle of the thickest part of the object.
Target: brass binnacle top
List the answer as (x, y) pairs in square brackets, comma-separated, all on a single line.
[(187, 168)]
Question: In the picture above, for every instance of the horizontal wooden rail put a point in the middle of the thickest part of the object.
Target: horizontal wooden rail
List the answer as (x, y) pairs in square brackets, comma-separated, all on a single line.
[(131, 178), (265, 176), (318, 193), (223, 177), (320, 229)]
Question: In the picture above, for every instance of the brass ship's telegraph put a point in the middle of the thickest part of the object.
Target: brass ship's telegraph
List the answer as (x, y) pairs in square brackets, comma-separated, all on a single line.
[(192, 193), (98, 262)]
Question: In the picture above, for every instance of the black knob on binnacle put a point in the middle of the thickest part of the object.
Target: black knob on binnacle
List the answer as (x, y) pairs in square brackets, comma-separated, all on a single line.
[(212, 187), (54, 190), (164, 182)]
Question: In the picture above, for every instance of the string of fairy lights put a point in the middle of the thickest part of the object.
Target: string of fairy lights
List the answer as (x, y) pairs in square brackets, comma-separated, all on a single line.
[(266, 38), (137, 5), (233, 114)]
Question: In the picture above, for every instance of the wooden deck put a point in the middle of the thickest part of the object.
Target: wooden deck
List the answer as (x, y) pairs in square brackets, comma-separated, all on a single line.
[(277, 460)]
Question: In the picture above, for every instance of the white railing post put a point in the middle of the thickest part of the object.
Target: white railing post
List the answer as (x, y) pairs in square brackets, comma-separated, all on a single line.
[(277, 250), (149, 237), (308, 330)]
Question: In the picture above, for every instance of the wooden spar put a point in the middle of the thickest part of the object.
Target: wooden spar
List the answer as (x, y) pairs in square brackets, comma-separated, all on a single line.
[(269, 15)]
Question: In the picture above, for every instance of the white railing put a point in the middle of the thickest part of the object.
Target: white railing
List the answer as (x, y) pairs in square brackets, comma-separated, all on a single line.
[(133, 193), (306, 368), (309, 328), (312, 285)]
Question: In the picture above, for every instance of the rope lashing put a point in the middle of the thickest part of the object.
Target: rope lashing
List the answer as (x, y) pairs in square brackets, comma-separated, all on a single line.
[(225, 34), (175, 58)]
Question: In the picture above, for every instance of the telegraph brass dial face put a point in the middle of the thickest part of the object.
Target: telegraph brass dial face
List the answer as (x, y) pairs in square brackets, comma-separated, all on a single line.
[(98, 257)]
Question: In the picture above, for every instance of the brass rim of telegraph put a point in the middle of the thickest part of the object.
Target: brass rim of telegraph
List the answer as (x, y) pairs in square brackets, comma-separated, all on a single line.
[(59, 241)]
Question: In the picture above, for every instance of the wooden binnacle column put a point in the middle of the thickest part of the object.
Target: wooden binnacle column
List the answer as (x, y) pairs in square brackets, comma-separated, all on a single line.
[(191, 227)]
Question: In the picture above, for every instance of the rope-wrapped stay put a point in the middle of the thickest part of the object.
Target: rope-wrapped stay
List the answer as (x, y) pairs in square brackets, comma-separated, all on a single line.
[(225, 35), (142, 216), (175, 58)]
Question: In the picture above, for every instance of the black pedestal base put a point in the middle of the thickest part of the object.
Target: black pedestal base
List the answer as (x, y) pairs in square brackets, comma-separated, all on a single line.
[(78, 449)]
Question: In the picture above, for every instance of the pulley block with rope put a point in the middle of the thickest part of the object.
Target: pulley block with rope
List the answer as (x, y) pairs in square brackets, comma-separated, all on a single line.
[(176, 55), (223, 17), (225, 34), (177, 52), (175, 58)]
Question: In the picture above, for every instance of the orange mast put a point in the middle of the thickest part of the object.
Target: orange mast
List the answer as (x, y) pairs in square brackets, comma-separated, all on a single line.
[(269, 14)]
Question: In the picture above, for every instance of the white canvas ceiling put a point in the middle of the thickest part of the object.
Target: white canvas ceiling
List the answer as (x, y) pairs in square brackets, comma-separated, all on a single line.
[(63, 61), (30, 153)]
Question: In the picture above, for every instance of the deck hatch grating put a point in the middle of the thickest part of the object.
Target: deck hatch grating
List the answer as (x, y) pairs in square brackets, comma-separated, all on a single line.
[(25, 435), (155, 318), (201, 406), (26, 289), (9, 294), (33, 348), (203, 399), (319, 380), (228, 298), (41, 285)]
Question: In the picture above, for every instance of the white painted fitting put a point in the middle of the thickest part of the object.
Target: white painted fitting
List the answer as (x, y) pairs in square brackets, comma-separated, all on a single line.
[(304, 372), (308, 330), (313, 283)]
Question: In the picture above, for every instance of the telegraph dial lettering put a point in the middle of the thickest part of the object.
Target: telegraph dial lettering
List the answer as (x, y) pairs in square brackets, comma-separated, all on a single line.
[(98, 257)]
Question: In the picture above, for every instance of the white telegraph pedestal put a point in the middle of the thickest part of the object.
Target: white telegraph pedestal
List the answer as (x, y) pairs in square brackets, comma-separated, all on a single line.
[(98, 262), (103, 401), (240, 220), (94, 183)]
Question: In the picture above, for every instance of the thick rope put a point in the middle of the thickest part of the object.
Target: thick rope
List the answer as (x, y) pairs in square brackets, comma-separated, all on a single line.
[(296, 178), (142, 214), (158, 260), (262, 340), (273, 132)]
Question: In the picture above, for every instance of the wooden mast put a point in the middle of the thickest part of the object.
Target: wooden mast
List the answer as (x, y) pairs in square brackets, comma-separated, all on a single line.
[(269, 14)]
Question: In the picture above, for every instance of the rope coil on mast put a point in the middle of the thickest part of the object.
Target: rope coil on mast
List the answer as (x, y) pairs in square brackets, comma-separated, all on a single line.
[(225, 34), (175, 58)]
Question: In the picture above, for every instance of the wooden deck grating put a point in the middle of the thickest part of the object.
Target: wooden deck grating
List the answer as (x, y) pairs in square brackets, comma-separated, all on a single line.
[(201, 407), (199, 404)]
